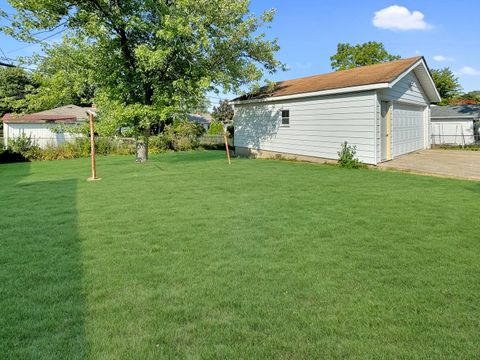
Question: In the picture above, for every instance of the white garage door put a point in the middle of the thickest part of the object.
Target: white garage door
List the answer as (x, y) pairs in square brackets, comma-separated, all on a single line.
[(407, 129)]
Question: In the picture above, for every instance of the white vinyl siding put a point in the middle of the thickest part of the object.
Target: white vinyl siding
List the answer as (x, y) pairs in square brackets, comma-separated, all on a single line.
[(40, 133), (318, 125), (407, 90), (452, 131)]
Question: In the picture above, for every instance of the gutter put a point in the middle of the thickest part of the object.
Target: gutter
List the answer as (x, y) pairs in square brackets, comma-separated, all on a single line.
[(312, 94)]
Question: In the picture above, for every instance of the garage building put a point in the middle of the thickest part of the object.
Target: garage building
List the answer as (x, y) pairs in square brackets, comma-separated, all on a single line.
[(455, 125), (42, 127), (382, 109)]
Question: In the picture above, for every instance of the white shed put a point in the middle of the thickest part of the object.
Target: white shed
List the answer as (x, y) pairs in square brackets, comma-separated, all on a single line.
[(40, 127), (455, 125), (382, 109)]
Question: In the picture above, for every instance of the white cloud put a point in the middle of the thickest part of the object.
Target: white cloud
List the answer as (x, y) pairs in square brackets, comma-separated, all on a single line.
[(441, 58), (400, 18), (468, 70)]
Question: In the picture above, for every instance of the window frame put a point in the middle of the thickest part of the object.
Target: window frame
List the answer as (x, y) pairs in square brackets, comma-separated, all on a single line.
[(283, 117)]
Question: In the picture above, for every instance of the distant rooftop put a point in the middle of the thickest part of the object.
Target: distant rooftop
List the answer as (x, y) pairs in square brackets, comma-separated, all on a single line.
[(200, 118), (456, 111), (67, 113), (78, 111)]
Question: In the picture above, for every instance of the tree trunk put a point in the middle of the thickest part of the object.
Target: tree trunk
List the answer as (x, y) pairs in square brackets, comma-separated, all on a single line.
[(142, 146)]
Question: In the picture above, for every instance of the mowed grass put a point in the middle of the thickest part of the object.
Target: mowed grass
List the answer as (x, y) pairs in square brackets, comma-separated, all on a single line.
[(187, 257)]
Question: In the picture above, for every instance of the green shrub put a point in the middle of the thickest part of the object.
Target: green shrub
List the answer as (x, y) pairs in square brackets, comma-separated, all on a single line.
[(124, 147), (346, 157), (216, 128), (77, 148), (160, 143), (186, 129), (179, 136), (20, 144), (34, 153), (104, 146), (53, 152), (471, 147), (184, 143)]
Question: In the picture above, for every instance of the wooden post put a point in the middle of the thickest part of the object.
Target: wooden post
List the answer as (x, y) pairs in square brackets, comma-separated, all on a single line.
[(92, 148), (226, 146)]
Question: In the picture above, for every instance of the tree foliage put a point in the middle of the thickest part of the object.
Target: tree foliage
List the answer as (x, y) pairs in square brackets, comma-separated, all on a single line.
[(223, 112), (215, 128), (15, 84), (202, 105), (65, 75), (447, 84), (469, 98), (152, 59), (352, 56)]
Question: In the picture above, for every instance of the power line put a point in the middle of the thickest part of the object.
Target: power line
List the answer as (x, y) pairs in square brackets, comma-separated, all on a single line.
[(12, 65), (49, 30), (38, 41), (4, 56), (6, 65)]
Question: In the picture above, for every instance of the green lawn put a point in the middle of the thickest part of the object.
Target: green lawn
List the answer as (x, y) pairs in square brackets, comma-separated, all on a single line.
[(187, 257)]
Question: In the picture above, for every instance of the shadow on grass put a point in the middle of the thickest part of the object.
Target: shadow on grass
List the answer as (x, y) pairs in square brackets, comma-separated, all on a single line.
[(475, 187), (42, 307), (8, 156)]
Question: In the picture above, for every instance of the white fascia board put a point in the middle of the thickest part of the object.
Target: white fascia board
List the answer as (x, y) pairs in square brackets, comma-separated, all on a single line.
[(316, 93), (402, 75), (411, 68)]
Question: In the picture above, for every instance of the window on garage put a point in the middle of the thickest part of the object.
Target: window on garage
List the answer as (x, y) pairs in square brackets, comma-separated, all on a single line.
[(285, 117)]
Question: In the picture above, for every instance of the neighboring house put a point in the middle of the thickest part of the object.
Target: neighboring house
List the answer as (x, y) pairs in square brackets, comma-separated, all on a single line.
[(455, 125), (202, 119), (39, 126), (382, 109)]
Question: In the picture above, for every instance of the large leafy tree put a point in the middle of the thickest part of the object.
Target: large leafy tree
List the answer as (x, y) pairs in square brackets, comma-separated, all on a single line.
[(15, 84), (153, 59), (447, 84), (65, 75), (351, 56)]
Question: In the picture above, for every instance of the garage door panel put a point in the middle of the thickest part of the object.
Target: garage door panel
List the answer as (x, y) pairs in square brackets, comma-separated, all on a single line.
[(407, 129)]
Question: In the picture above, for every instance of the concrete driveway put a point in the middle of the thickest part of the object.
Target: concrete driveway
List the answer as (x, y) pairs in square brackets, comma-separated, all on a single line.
[(449, 163)]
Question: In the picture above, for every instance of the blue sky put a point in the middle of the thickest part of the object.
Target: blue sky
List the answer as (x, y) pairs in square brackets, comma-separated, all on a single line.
[(445, 32), (309, 31)]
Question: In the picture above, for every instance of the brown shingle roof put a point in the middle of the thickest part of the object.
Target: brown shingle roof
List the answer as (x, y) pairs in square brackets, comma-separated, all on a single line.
[(365, 75), (67, 113), (68, 110), (38, 118)]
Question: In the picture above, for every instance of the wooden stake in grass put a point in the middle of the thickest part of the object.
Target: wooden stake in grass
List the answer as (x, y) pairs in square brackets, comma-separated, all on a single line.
[(91, 116), (226, 146)]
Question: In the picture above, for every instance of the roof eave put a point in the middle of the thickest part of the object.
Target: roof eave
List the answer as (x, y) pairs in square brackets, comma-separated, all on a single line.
[(430, 90), (313, 93)]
